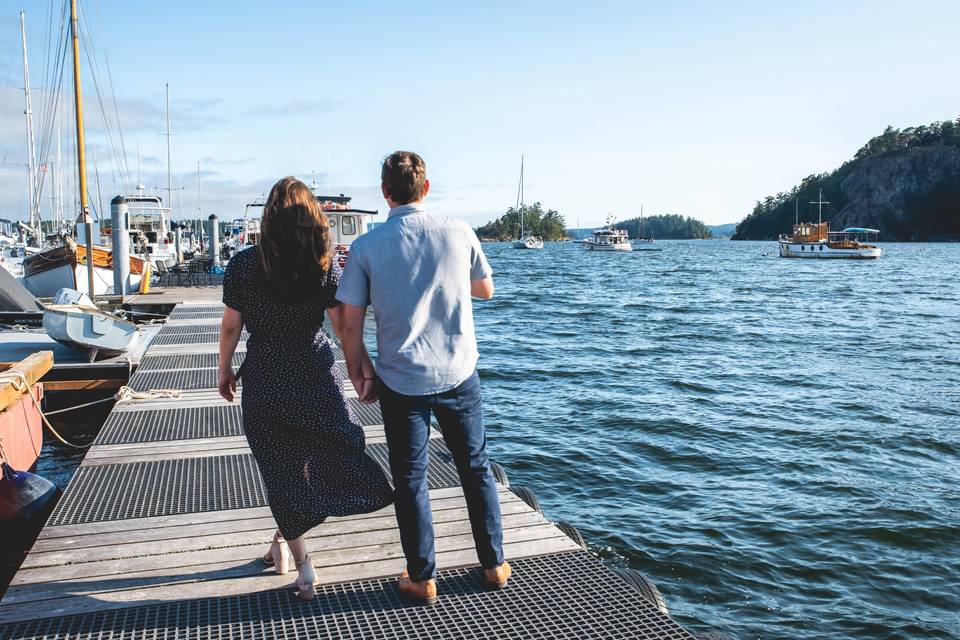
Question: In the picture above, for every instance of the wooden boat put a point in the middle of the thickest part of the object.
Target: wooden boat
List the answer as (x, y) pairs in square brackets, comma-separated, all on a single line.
[(75, 321), (21, 428), (64, 267), (810, 240)]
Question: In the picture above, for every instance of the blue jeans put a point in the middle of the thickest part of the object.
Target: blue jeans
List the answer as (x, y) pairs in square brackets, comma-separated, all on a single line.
[(406, 421)]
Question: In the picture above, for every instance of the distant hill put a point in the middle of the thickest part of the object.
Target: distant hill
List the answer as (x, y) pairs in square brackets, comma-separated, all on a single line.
[(906, 183), (722, 230), (665, 227)]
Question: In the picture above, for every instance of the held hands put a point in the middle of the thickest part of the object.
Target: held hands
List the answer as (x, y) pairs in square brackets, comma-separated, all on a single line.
[(366, 382), (226, 383)]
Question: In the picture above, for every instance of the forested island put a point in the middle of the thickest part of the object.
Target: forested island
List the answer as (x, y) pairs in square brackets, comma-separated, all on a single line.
[(548, 224), (665, 227), (906, 183)]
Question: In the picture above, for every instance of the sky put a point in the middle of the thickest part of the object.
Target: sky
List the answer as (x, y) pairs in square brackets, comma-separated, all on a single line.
[(695, 108)]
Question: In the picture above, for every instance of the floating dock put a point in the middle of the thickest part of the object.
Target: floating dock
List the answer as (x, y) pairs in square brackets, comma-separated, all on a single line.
[(159, 535)]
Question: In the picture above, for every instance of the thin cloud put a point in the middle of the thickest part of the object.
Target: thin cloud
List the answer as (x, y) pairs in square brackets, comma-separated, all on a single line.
[(291, 108)]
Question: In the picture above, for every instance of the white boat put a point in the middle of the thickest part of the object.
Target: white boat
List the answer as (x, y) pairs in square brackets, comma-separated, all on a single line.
[(74, 320), (816, 241), (525, 241), (346, 224), (608, 239)]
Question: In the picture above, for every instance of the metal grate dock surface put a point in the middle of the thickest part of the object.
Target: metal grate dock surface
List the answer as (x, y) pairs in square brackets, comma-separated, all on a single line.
[(193, 311), (181, 329), (191, 485), (441, 471), (160, 488), (566, 595), (183, 379), (366, 414), (174, 423), (191, 338), (186, 361)]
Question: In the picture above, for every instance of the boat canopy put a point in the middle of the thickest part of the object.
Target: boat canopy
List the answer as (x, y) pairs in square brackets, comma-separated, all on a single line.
[(859, 230)]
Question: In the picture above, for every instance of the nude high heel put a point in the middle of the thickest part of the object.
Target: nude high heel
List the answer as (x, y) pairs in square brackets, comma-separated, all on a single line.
[(278, 556), (306, 579)]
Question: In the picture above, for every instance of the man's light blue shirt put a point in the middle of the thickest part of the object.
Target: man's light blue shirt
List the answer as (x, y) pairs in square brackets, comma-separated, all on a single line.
[(415, 270)]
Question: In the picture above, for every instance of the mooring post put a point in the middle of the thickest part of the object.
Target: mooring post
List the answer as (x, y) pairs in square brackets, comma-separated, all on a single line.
[(214, 233), (177, 239), (119, 215)]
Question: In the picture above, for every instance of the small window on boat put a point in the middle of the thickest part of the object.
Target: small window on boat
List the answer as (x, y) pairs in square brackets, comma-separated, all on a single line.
[(821, 247), (348, 225), (803, 248), (333, 222)]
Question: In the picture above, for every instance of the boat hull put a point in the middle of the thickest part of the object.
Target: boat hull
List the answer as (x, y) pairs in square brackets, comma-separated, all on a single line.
[(596, 246), (823, 251), (44, 274), (528, 243), (22, 431), (89, 330)]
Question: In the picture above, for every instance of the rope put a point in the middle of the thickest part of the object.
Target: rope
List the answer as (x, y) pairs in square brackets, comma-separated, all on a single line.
[(18, 380)]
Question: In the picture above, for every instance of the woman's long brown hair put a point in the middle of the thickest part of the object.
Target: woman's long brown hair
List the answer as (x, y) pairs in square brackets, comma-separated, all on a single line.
[(294, 252)]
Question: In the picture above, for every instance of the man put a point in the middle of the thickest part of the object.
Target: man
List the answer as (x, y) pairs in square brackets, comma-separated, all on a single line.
[(419, 272)]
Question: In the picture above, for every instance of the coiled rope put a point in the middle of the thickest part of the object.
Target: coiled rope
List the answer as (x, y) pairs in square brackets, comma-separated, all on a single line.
[(18, 380)]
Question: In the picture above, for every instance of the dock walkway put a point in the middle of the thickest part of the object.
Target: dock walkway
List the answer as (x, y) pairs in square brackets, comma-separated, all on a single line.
[(160, 532)]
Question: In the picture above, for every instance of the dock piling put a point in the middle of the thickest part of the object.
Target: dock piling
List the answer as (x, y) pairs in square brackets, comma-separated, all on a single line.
[(119, 214)]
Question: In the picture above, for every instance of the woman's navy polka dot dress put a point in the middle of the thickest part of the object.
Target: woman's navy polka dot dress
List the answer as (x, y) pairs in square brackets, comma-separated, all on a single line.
[(308, 445)]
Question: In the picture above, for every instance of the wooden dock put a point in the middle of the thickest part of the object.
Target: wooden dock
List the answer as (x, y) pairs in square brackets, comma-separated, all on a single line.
[(160, 533)]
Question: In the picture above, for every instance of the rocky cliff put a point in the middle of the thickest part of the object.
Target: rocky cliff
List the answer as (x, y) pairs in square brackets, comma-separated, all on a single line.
[(904, 183)]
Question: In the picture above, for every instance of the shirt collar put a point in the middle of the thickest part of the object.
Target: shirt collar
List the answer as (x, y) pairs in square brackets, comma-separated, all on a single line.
[(406, 209)]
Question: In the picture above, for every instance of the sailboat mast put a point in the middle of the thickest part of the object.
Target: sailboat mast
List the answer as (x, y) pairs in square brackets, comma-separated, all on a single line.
[(199, 192), (84, 217), (520, 197), (163, 222), (31, 144)]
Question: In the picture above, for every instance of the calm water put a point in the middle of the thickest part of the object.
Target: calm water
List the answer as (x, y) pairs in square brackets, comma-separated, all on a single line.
[(774, 442)]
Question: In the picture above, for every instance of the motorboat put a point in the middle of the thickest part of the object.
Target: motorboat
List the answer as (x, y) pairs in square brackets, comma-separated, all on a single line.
[(810, 240), (608, 239), (75, 321), (815, 240), (529, 242)]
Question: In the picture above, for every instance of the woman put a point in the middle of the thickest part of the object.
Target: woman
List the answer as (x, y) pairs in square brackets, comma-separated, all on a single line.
[(307, 443)]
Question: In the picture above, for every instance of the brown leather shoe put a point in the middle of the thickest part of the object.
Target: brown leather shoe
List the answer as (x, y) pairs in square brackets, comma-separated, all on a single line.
[(419, 592), (497, 577)]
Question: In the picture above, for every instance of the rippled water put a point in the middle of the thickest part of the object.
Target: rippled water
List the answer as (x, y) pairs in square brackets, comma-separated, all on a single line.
[(774, 442)]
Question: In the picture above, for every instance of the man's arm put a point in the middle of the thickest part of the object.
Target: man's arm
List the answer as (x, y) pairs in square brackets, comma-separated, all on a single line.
[(359, 366), (482, 289)]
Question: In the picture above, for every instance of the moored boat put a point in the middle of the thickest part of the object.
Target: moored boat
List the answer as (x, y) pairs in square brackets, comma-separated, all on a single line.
[(48, 271), (73, 320)]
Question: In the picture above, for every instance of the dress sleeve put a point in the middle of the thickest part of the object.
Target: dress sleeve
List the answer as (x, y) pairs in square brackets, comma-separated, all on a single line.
[(233, 284), (333, 281)]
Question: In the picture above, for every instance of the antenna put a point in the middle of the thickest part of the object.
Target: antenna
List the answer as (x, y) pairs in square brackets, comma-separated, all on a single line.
[(140, 188), (199, 192), (796, 211)]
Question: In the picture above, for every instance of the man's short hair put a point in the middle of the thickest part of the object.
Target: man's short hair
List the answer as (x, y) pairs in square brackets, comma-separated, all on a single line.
[(403, 175)]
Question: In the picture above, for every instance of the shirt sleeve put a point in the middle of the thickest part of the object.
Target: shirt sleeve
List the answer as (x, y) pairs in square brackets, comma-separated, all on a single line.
[(333, 281), (479, 267), (354, 287), (233, 284)]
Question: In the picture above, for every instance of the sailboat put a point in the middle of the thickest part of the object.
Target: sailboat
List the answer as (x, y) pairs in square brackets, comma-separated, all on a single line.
[(79, 263), (642, 237), (525, 241)]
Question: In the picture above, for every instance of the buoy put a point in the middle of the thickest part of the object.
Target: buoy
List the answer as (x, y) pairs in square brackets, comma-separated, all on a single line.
[(23, 494)]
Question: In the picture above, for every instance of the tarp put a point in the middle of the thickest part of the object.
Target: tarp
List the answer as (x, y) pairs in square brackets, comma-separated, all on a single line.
[(14, 296)]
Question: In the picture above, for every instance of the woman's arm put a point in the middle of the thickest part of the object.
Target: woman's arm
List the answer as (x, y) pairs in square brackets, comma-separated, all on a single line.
[(230, 331)]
